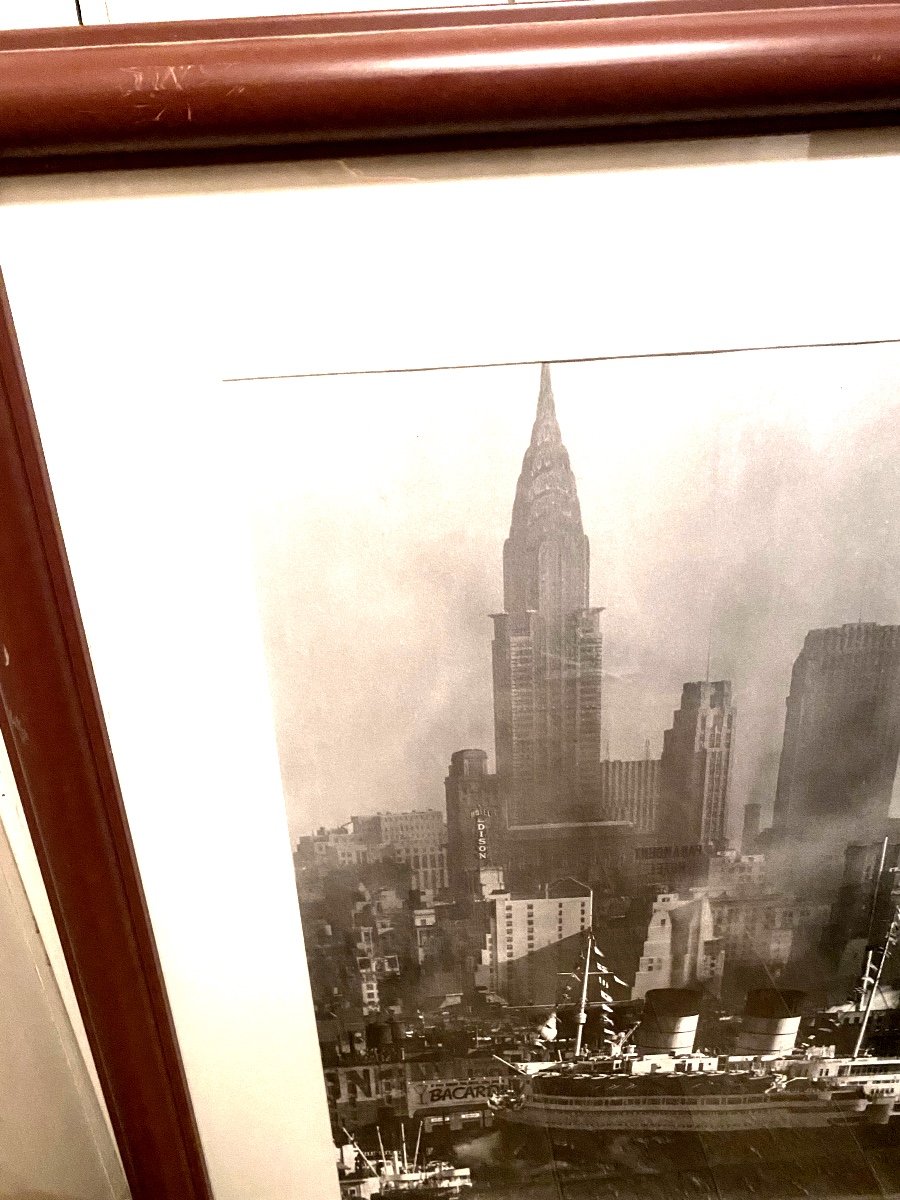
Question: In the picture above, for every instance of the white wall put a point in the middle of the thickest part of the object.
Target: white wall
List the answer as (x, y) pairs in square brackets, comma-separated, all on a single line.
[(36, 14), (54, 1138), (97, 12)]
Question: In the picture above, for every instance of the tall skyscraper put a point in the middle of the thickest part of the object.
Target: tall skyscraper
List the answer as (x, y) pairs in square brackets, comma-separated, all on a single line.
[(547, 643), (696, 766), (841, 736)]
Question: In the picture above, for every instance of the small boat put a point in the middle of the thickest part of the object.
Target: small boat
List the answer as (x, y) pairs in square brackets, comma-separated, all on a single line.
[(391, 1176)]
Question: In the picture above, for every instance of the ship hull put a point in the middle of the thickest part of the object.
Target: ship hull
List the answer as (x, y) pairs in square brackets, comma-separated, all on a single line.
[(781, 1114)]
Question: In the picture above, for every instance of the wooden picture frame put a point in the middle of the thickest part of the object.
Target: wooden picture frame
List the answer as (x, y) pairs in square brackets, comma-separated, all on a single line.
[(124, 97)]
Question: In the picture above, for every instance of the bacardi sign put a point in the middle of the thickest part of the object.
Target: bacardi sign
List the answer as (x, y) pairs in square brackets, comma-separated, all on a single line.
[(450, 1093)]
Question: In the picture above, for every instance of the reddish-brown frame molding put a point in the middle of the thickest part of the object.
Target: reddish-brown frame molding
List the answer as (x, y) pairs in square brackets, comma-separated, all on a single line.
[(314, 80), (265, 87)]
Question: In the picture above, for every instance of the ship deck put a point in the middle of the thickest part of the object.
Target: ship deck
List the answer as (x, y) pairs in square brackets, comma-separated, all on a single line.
[(690, 1113)]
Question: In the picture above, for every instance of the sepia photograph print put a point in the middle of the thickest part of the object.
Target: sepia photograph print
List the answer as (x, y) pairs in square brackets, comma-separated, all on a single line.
[(587, 689)]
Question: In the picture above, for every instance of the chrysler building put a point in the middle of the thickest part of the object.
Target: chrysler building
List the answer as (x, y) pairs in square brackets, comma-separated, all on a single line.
[(547, 645)]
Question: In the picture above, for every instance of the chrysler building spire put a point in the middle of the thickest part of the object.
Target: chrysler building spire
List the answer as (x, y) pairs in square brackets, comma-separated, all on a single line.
[(546, 409), (547, 643), (546, 557)]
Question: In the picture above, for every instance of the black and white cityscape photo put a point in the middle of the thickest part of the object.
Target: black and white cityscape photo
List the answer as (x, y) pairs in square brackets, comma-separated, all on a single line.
[(587, 689)]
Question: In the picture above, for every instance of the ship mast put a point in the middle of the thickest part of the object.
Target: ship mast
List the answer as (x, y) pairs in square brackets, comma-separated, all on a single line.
[(889, 942), (353, 1142), (876, 891), (581, 1017), (605, 975)]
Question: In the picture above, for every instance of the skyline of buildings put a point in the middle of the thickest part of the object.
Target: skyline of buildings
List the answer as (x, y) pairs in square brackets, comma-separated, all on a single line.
[(738, 530), (547, 654), (440, 940), (646, 841), (548, 721)]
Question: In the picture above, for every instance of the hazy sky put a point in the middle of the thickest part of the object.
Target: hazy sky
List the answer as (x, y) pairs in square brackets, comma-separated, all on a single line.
[(732, 500)]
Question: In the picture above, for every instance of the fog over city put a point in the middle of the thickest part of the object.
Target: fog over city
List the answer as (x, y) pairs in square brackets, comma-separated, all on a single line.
[(733, 502)]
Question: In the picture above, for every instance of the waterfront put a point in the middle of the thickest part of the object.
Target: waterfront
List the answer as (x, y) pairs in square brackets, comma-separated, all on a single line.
[(823, 1164)]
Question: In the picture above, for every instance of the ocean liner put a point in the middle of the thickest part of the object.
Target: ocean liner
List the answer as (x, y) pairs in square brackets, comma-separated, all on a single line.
[(662, 1083)]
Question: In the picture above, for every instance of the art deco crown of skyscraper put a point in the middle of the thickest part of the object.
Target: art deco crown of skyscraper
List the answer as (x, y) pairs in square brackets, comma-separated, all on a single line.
[(546, 524)]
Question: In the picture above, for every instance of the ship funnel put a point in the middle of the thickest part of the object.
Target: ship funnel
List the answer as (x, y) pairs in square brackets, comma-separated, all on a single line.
[(669, 1021), (770, 1022)]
